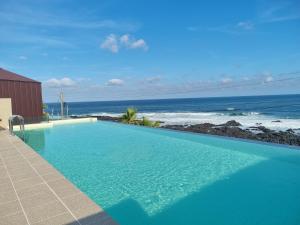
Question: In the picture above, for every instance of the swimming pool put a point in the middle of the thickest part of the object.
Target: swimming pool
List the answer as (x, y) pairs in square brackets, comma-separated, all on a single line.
[(145, 176)]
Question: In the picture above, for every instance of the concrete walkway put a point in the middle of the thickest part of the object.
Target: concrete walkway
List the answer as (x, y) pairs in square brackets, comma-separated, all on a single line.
[(32, 192)]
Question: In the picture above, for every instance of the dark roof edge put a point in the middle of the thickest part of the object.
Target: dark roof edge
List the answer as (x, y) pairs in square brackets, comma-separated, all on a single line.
[(15, 77)]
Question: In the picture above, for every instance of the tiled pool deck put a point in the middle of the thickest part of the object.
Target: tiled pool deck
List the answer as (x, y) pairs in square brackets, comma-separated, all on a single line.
[(32, 192)]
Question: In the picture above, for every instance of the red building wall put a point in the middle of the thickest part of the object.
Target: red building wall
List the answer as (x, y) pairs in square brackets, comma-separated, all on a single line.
[(26, 98)]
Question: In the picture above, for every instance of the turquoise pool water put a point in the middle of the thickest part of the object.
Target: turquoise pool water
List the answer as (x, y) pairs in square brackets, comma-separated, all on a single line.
[(144, 176)]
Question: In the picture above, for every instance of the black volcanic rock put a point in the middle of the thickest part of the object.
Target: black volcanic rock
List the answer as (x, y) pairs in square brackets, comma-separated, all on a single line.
[(264, 129), (281, 137), (108, 118), (231, 123), (232, 129)]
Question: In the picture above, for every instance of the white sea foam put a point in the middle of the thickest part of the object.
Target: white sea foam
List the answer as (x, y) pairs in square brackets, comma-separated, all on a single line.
[(246, 119), (106, 114)]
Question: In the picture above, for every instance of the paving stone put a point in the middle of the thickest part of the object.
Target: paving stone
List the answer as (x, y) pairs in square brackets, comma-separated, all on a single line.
[(81, 202), (53, 176), (28, 192), (15, 219), (63, 219), (45, 212), (40, 198), (3, 172), (9, 208), (28, 183), (63, 188), (8, 196), (44, 168), (9, 153), (6, 186), (23, 176)]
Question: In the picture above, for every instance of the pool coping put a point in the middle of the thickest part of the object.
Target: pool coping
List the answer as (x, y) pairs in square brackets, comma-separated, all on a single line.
[(33, 192), (53, 123), (273, 144)]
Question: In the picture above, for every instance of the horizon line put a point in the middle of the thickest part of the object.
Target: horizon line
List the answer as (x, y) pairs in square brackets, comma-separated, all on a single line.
[(159, 99)]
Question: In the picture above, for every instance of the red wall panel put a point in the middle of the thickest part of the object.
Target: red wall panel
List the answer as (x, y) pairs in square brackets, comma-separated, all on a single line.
[(26, 98)]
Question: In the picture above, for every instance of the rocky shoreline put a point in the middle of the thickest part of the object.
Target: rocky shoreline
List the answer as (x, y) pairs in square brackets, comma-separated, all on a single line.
[(232, 129)]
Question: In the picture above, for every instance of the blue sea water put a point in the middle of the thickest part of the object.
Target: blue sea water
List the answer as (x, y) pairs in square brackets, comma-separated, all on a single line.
[(145, 176), (280, 112), (281, 106)]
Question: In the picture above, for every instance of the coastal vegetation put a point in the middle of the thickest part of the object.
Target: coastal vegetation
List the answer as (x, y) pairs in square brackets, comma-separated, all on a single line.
[(148, 123), (45, 113), (130, 117)]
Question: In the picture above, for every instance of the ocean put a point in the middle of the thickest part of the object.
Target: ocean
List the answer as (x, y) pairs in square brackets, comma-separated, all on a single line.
[(279, 112)]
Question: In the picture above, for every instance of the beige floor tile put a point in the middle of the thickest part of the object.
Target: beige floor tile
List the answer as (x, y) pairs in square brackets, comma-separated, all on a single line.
[(63, 188), (20, 144), (63, 219), (28, 153), (18, 168), (5, 145), (8, 196), (9, 153), (5, 187), (3, 172), (44, 212), (44, 168), (28, 183), (13, 161), (16, 219), (40, 198), (53, 176), (9, 208), (23, 176), (84, 209), (80, 201), (5, 180), (26, 149), (28, 192), (36, 159)]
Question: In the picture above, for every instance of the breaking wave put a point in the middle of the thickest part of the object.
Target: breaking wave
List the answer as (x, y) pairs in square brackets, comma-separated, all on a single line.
[(247, 119)]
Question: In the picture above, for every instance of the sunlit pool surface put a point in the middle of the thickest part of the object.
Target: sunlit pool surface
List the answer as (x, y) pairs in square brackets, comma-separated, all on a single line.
[(144, 176)]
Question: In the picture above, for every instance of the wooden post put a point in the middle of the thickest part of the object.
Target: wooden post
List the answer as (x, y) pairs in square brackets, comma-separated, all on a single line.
[(61, 104)]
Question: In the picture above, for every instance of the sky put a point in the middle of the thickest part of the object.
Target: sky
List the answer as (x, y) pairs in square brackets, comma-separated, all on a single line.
[(117, 50)]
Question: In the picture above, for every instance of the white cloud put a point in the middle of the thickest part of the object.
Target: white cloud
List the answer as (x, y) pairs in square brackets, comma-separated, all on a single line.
[(111, 43), (59, 83), (114, 43), (130, 42), (124, 39), (226, 80), (115, 82), (139, 44), (245, 25), (268, 79), (22, 57), (152, 80)]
